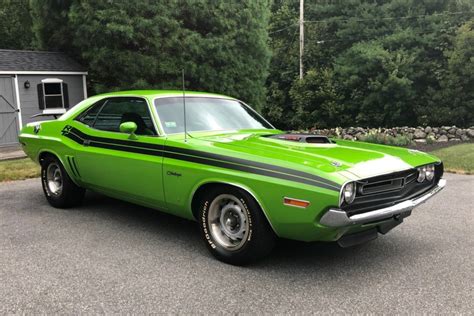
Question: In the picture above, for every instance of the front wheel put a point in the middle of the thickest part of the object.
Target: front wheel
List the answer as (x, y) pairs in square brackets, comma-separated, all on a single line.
[(234, 227), (59, 189)]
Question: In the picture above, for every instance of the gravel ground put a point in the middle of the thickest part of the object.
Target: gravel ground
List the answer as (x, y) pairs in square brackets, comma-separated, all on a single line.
[(109, 256)]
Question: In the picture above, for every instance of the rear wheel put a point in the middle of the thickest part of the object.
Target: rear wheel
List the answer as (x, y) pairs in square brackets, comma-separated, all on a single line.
[(234, 227), (59, 189)]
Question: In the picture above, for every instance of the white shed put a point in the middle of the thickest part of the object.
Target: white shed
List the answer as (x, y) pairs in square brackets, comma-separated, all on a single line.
[(36, 82)]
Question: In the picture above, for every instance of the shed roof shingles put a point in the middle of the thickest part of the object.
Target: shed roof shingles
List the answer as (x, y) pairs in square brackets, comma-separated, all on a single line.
[(23, 60)]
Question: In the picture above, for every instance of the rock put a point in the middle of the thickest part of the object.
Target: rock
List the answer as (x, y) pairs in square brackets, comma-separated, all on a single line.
[(420, 141), (460, 132), (470, 132), (435, 130), (442, 132), (348, 137), (464, 138), (455, 140), (451, 136), (428, 129), (419, 134), (442, 139), (452, 131)]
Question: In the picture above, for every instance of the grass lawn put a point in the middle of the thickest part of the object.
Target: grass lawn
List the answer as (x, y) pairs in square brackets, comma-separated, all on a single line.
[(18, 169), (457, 158)]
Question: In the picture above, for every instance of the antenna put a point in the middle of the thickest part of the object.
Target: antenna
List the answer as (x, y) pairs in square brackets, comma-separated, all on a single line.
[(184, 108)]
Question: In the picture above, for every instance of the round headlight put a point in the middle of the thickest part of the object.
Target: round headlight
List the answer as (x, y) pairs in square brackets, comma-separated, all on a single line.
[(421, 174), (430, 172), (349, 192)]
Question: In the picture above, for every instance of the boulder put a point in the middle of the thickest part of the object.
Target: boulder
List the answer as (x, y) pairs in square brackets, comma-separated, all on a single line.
[(348, 137), (442, 139), (460, 132), (455, 139), (428, 129), (470, 132), (464, 138), (419, 134)]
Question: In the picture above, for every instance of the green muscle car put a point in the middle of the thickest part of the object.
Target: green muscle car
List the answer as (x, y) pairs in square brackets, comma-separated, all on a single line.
[(213, 159)]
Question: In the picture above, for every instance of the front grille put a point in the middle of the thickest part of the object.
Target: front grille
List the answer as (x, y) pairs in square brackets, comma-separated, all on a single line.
[(386, 190), (386, 183)]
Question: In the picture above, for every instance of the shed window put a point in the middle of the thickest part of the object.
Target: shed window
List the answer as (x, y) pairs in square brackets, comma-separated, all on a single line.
[(52, 94)]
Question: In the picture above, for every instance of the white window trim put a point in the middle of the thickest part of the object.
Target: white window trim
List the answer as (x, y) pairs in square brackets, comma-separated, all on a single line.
[(18, 105), (52, 80), (43, 73), (84, 86)]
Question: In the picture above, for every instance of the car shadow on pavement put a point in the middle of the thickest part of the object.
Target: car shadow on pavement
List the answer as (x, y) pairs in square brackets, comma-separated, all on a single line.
[(287, 254)]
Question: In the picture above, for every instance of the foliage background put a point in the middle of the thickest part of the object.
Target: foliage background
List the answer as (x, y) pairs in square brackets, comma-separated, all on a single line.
[(367, 63)]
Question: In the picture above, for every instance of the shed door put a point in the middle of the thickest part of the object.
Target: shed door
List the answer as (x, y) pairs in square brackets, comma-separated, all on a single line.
[(8, 113)]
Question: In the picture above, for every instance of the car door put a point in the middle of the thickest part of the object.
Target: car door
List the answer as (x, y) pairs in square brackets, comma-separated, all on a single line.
[(116, 163)]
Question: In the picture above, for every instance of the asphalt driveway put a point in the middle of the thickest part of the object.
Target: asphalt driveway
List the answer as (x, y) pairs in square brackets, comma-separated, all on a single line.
[(114, 257)]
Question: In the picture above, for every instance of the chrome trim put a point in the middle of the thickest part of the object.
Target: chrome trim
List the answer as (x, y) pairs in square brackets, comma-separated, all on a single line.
[(299, 200), (338, 218)]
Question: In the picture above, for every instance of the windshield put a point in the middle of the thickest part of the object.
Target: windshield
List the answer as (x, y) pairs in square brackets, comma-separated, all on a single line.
[(206, 114)]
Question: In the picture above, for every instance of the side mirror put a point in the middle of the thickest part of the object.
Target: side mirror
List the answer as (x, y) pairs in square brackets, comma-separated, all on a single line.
[(130, 128)]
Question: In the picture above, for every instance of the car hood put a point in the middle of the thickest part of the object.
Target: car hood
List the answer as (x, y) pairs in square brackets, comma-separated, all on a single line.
[(340, 160)]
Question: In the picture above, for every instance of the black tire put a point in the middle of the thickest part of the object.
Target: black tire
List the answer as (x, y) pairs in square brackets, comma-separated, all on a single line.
[(257, 243), (69, 195)]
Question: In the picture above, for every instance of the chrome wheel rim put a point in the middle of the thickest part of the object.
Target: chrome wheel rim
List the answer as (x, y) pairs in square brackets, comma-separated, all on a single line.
[(228, 222), (54, 179)]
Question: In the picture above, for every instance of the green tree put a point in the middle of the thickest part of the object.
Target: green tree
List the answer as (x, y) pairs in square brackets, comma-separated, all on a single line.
[(453, 103), (15, 25), (316, 101), (222, 45), (376, 83), (390, 58), (460, 80), (51, 25)]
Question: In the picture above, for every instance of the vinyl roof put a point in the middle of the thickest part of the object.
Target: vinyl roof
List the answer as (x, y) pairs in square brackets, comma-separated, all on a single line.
[(24, 60)]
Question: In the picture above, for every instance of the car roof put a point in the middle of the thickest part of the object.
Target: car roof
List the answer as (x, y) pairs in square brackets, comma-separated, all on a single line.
[(162, 93)]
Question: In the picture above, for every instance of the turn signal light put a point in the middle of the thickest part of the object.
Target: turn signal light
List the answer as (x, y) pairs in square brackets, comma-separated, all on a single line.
[(295, 202)]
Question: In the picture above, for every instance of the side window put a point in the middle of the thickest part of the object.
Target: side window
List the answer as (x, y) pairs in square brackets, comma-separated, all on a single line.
[(119, 110), (88, 117)]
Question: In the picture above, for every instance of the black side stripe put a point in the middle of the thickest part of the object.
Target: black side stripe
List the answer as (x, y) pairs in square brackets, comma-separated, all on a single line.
[(70, 165), (200, 157), (252, 163), (75, 166), (210, 156)]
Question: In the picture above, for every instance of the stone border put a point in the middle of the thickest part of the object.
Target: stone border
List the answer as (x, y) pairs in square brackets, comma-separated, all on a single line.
[(417, 134)]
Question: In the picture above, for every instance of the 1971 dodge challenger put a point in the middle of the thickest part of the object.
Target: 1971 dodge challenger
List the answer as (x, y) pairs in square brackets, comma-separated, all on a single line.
[(245, 182)]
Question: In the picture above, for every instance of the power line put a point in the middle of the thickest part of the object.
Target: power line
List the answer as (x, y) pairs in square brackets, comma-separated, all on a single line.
[(391, 18), (372, 19), (350, 39), (282, 29)]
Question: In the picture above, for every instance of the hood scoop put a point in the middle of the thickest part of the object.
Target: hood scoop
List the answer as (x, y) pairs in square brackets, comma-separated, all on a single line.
[(302, 138)]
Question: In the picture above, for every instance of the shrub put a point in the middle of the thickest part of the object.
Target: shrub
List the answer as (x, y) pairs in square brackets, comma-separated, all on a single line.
[(384, 139)]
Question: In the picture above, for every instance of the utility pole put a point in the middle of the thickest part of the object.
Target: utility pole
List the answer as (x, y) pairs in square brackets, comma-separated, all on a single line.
[(301, 37)]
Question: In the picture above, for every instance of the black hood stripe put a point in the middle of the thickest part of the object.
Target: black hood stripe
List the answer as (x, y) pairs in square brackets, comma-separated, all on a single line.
[(199, 157)]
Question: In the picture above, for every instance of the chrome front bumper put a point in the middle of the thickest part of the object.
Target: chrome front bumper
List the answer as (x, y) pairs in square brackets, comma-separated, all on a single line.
[(338, 218)]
